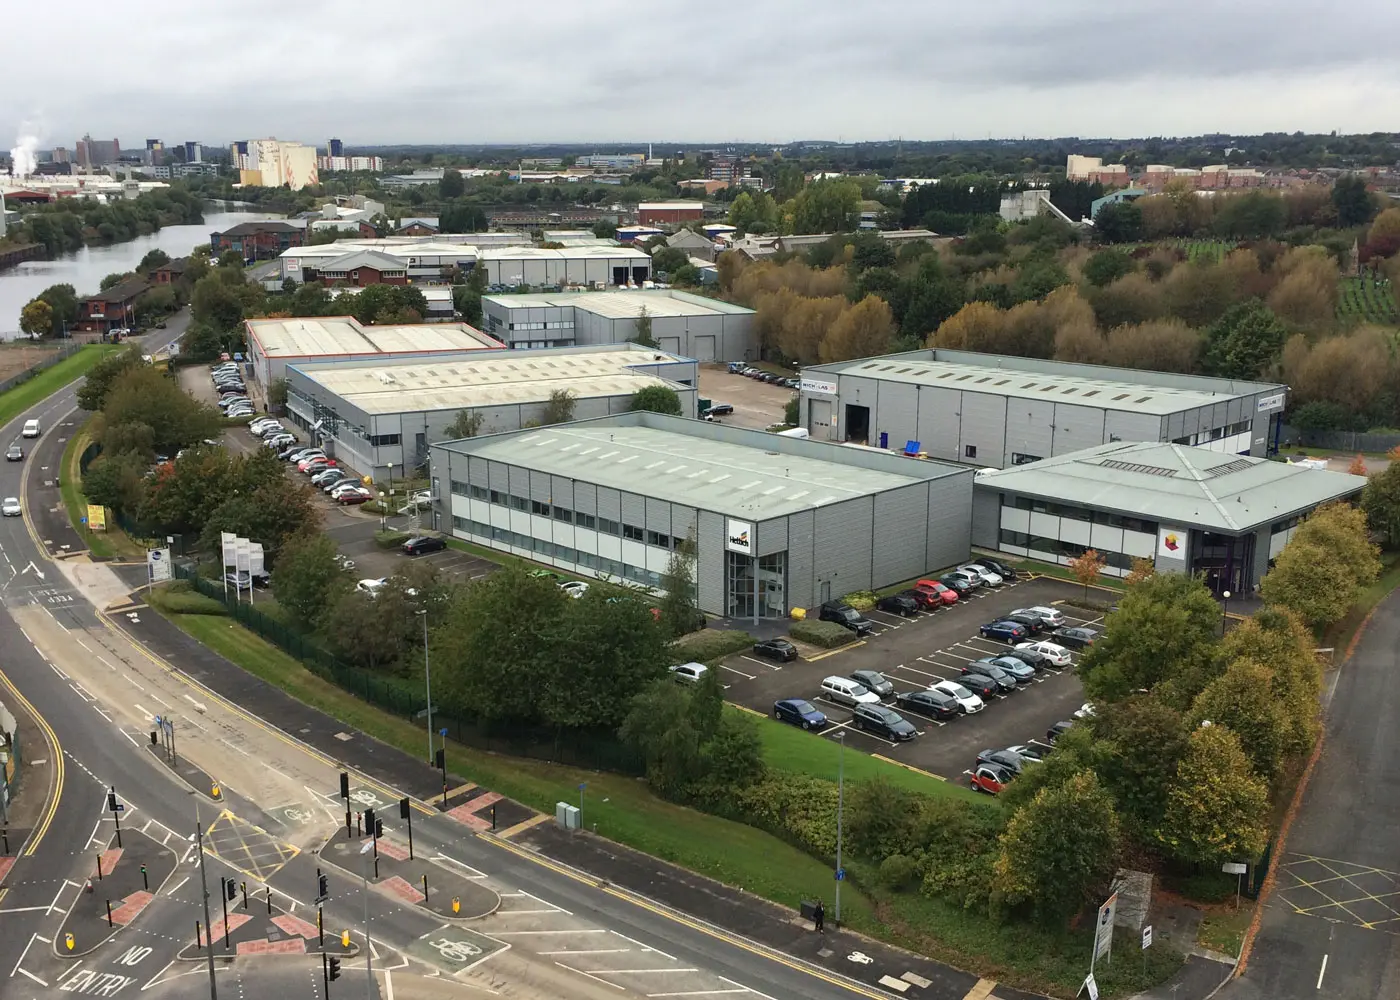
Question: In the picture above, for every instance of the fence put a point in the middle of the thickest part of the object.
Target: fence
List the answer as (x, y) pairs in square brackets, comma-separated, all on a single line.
[(1258, 872), (594, 750), (49, 362), (1344, 442)]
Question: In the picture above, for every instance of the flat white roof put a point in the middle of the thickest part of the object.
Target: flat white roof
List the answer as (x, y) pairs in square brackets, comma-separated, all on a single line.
[(567, 253), (465, 382), (342, 336), (623, 304)]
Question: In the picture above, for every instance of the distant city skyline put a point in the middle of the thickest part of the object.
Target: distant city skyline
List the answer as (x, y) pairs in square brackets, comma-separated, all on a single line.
[(785, 70)]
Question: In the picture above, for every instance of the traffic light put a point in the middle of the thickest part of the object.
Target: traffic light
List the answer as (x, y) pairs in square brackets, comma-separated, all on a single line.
[(403, 807), (378, 828), (369, 822), (112, 801), (335, 968), (230, 889), (440, 760), (344, 786), (323, 885)]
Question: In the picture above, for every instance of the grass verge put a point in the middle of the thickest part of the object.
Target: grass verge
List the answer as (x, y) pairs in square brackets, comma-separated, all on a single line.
[(15, 401), (110, 544), (1222, 929)]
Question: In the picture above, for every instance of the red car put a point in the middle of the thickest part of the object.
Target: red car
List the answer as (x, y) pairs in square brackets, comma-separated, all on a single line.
[(355, 497), (989, 778), (937, 591)]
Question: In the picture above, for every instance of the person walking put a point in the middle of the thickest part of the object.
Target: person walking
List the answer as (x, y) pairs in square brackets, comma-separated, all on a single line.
[(819, 918)]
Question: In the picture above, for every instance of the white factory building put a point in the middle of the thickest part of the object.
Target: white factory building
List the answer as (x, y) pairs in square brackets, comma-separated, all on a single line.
[(273, 344)]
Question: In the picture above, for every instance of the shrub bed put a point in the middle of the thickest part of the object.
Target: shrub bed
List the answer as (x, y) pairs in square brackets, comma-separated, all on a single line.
[(710, 644), (861, 600), (390, 539), (827, 635)]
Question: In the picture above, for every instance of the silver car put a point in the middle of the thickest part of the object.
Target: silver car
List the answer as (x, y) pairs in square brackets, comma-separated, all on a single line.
[(987, 577)]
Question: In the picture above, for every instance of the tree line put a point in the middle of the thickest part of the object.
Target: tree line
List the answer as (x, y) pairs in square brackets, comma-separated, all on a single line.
[(69, 224)]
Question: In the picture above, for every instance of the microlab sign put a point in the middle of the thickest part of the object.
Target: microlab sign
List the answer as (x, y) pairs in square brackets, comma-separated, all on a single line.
[(739, 537), (1267, 403)]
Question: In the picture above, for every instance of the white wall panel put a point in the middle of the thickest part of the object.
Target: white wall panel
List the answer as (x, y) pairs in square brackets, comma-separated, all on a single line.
[(1136, 543), (1015, 519)]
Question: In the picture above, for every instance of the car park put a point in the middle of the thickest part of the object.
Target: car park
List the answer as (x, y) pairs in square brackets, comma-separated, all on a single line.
[(1076, 638), (980, 684), (1023, 672), (14, 454), (972, 578), (1053, 617), (264, 424), (423, 544), (923, 600), (989, 778), (689, 673), (775, 649), (357, 496), (846, 616), (1032, 624), (1005, 631), (1002, 569), (1053, 734), (847, 691), (10, 507), (883, 722), (1013, 762), (967, 701), (1036, 661), (719, 410), (973, 674), (988, 578), (935, 704), (875, 681), (898, 604), (938, 591), (1055, 654), (799, 713)]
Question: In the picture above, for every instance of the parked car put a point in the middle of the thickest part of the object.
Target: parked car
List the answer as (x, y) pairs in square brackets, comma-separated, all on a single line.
[(989, 778), (981, 684), (244, 580), (924, 600), (972, 578), (423, 544), (987, 576), (1016, 667), (941, 591), (351, 498), (1056, 731), (9, 507), (574, 588), (345, 484), (935, 704), (847, 617), (1005, 631), (875, 681), (344, 562), (1053, 617), (1085, 711), (959, 585), (1036, 661), (775, 649), (1033, 624), (898, 604), (1076, 638), (1002, 680), (372, 586), (316, 466), (1013, 762), (328, 476), (799, 713), (719, 410), (689, 673), (884, 722), (847, 691), (1028, 751), (967, 701), (276, 442), (14, 454), (1002, 569), (1055, 654), (305, 451), (262, 425)]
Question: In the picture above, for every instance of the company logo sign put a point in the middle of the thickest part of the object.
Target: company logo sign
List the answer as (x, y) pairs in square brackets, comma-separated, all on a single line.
[(1171, 543), (1267, 403), (739, 537), (818, 387)]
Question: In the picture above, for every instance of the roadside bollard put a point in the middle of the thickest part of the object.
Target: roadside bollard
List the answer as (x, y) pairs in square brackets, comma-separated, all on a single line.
[(99, 868), (109, 913), (198, 939), (145, 881), (425, 888)]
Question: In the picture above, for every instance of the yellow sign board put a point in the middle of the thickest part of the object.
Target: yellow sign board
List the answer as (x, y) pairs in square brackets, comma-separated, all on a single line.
[(97, 517), (68, 940)]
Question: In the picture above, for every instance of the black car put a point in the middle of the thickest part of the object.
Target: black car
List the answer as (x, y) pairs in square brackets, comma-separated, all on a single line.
[(1032, 659), (980, 684), (874, 680), (1001, 569), (1013, 762), (15, 454), (934, 704), (898, 604), (720, 410), (847, 617), (799, 713), (1034, 623), (884, 722), (1076, 638), (1056, 731), (423, 544), (957, 584), (775, 649), (985, 668)]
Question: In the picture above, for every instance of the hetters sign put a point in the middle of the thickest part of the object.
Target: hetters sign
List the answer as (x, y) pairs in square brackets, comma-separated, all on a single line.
[(818, 386), (739, 537)]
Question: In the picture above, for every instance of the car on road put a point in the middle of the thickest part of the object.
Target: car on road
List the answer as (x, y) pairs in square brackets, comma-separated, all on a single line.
[(1015, 666), (574, 588), (719, 410), (1053, 617), (422, 545), (848, 691), (9, 507), (1031, 753), (14, 454), (799, 713), (1033, 624), (847, 617), (989, 778), (1055, 655), (968, 702), (882, 721), (1002, 569), (1005, 631), (935, 704), (875, 681), (1076, 638), (1013, 762), (1053, 734), (974, 673), (988, 578), (689, 673), (938, 593), (775, 649), (959, 585), (898, 604)]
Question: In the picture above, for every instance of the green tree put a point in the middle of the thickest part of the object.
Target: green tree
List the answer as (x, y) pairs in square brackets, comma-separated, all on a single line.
[(829, 206), (1274, 636), (460, 217), (1354, 204), (64, 301), (202, 342), (116, 481), (1323, 568), (452, 185), (1381, 502), (658, 725), (656, 399), (143, 395), (679, 613), (134, 437), (183, 494), (1059, 850), (154, 258), (1217, 809), (307, 580), (668, 259), (271, 514), (383, 633), (860, 331), (642, 329), (277, 392), (154, 303), (792, 410), (1242, 699), (1137, 745), (111, 280), (1244, 343), (214, 303), (1119, 222), (559, 409), (1107, 266), (92, 394), (466, 424), (36, 318)]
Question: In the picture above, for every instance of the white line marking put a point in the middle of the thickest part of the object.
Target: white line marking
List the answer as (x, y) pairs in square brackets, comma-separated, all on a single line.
[(388, 985), (1322, 972), (26, 972), (176, 887), (584, 930), (23, 909), (633, 972), (696, 993), (553, 908), (645, 947), (733, 671), (588, 974), (130, 737), (22, 954), (594, 951)]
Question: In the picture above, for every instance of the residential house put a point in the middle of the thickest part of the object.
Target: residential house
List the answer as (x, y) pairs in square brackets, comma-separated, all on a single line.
[(364, 267), (259, 240), (170, 272), (113, 309)]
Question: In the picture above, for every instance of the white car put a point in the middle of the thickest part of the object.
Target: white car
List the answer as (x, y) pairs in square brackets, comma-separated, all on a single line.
[(1085, 711), (575, 588), (1053, 617), (1057, 656), (966, 700), (10, 507), (371, 587), (689, 673), (987, 577)]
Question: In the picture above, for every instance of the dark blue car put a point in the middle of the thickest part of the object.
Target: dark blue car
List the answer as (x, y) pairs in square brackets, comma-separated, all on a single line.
[(1005, 631), (799, 713)]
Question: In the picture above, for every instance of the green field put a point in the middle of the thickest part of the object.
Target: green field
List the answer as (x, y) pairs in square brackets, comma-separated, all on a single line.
[(15, 401), (1368, 301)]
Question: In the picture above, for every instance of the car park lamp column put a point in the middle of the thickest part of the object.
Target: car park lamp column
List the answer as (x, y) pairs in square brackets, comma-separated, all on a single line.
[(427, 680)]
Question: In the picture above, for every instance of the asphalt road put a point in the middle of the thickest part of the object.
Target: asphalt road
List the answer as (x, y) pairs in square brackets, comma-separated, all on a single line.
[(1331, 927)]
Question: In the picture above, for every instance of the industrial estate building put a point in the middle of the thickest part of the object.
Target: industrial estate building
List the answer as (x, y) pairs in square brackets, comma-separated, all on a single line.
[(597, 266), (690, 325), (380, 414), (779, 522), (1192, 510), (275, 343), (994, 411)]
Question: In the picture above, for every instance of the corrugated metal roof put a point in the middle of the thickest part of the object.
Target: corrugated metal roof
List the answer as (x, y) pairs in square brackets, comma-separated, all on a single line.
[(328, 336), (623, 304)]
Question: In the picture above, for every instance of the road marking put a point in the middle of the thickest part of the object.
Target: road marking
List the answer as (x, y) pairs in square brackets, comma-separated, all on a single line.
[(632, 972), (176, 887), (588, 974), (1322, 972), (594, 951), (50, 738), (22, 954), (733, 671), (645, 947), (698, 993), (26, 972), (583, 930), (761, 663)]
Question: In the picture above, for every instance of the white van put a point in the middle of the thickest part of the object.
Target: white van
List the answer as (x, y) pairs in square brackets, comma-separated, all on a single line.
[(849, 692), (31, 429)]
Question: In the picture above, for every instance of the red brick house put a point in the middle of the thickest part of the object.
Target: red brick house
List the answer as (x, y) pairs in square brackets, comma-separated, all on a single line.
[(417, 227), (259, 240), (169, 272), (364, 267), (113, 309)]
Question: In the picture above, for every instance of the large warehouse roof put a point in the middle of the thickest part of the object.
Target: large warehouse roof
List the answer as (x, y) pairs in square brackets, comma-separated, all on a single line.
[(329, 336), (623, 305), (467, 382), (1176, 483), (1027, 378), (732, 471)]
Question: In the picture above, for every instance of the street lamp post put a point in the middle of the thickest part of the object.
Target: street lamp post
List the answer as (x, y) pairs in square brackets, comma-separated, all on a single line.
[(840, 809), (427, 681), (204, 891), (1225, 611)]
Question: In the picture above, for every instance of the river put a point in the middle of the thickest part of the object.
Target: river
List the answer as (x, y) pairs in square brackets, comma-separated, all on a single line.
[(86, 268)]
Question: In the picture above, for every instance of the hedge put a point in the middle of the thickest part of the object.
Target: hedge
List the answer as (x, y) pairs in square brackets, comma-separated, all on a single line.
[(390, 539), (861, 600), (709, 645), (179, 597), (827, 635)]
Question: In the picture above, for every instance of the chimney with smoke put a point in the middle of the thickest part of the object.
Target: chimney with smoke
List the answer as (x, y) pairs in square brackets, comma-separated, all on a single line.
[(24, 158)]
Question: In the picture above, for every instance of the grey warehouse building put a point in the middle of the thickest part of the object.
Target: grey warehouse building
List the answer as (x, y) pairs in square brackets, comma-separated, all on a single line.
[(374, 414), (995, 411), (780, 522), (1187, 509), (692, 325)]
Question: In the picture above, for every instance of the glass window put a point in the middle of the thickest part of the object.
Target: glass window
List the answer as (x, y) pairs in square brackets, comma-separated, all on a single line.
[(631, 531), (542, 509), (478, 492), (498, 497), (519, 503), (658, 539), (460, 524), (970, 451), (609, 527), (586, 521), (586, 559), (1019, 459), (560, 514), (461, 489)]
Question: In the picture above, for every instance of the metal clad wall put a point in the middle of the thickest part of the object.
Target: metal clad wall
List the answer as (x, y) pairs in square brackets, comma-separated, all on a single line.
[(500, 476), (519, 481), (658, 515), (1029, 428), (634, 510), (683, 520), (609, 503), (843, 557), (986, 519), (897, 415), (772, 536), (949, 515), (561, 492), (1133, 426), (901, 519), (940, 422), (585, 498), (478, 470), (709, 570), (800, 526), (983, 428), (539, 486), (1078, 427), (854, 391)]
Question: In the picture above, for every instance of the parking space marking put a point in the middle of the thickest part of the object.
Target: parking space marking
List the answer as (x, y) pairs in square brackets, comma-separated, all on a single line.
[(925, 673), (589, 975), (762, 663), (724, 666)]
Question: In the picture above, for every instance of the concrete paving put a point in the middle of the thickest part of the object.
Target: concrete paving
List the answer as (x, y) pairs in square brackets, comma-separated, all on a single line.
[(756, 404)]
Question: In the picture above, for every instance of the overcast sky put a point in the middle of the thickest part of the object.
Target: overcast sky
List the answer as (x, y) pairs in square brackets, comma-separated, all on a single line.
[(475, 71)]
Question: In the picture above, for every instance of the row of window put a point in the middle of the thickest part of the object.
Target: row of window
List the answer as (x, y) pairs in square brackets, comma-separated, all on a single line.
[(1019, 459), (1059, 547), (603, 525), (381, 439), (1215, 433), (550, 325), (1039, 506), (552, 550)]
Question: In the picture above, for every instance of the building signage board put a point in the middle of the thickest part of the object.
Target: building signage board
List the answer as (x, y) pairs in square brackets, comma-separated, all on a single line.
[(158, 564), (739, 537), (1171, 543), (1269, 403), (818, 387), (1103, 931)]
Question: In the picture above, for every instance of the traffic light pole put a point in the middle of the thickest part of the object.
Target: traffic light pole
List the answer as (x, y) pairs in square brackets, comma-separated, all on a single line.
[(325, 970), (224, 897), (204, 888)]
